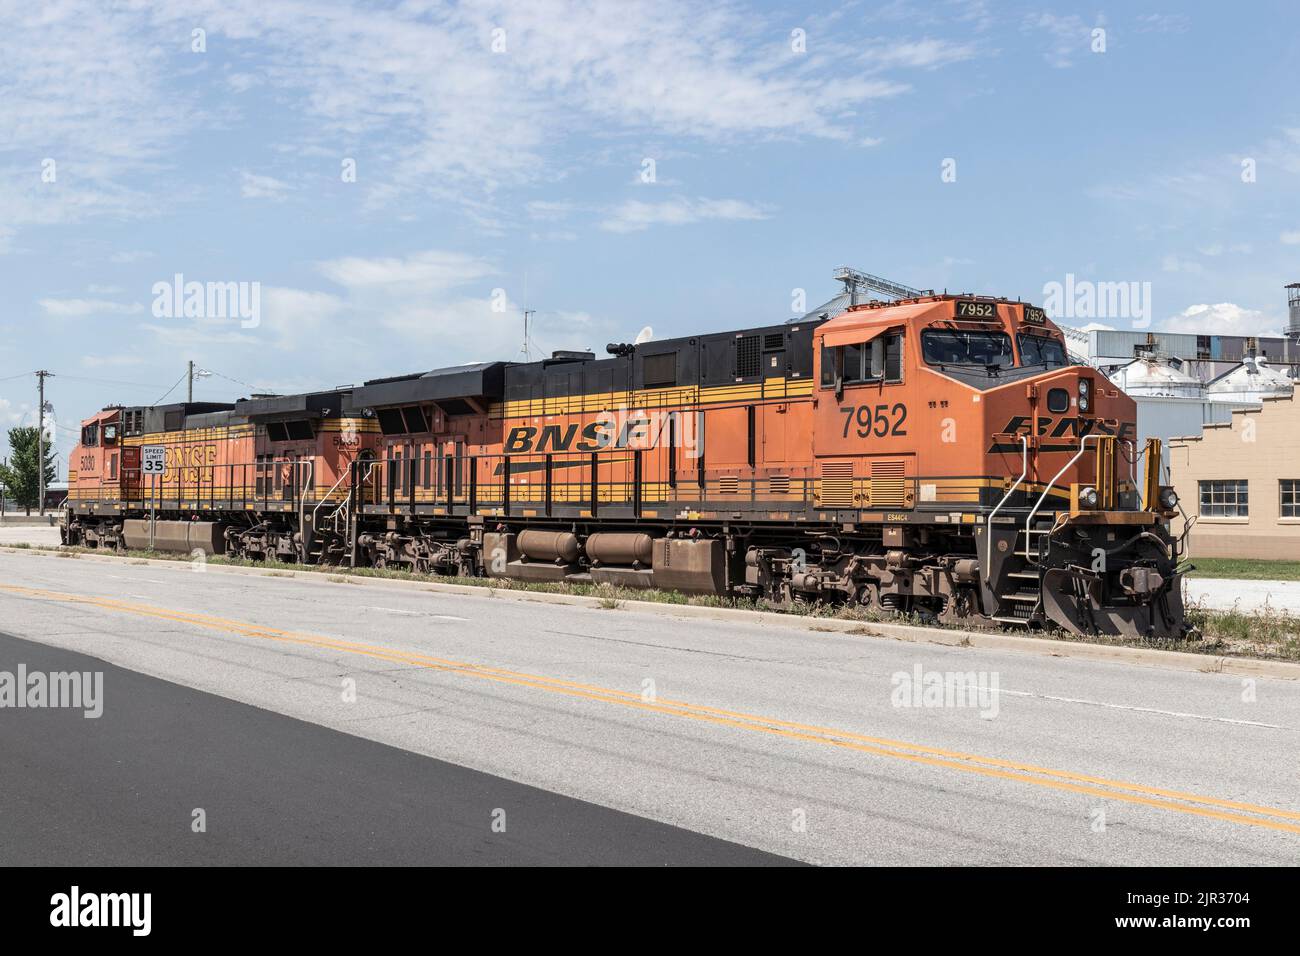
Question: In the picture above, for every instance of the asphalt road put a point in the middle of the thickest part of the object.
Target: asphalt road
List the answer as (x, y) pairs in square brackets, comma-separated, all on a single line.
[(779, 737), (170, 775)]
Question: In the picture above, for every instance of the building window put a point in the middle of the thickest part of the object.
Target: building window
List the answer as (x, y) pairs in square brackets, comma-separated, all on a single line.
[(1225, 499), (1290, 489)]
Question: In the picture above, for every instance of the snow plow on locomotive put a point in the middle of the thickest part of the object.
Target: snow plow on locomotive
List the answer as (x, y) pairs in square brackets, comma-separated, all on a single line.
[(938, 456)]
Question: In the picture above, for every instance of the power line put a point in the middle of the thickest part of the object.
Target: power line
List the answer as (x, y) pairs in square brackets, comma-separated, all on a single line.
[(108, 381), (256, 388), (173, 388)]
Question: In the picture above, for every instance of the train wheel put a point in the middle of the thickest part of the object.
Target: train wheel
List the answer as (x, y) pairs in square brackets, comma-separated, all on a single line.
[(868, 596), (962, 610)]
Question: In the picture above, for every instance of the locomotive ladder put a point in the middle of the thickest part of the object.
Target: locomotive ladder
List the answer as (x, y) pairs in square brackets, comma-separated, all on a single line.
[(1018, 605), (336, 520)]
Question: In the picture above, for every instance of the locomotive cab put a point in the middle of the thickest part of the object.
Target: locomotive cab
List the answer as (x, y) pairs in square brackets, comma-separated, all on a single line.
[(95, 471), (967, 411)]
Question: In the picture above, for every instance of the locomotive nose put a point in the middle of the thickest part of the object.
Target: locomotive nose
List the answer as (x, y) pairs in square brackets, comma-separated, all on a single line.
[(1070, 389)]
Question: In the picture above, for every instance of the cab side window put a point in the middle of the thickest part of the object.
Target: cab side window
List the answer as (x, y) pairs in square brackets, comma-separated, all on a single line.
[(879, 360), (893, 350), (830, 365)]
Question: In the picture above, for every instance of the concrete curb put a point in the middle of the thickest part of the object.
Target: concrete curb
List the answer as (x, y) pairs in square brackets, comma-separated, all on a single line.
[(914, 633)]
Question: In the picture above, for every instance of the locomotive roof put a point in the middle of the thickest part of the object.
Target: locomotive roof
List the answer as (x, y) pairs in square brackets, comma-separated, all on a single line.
[(456, 383), (285, 407)]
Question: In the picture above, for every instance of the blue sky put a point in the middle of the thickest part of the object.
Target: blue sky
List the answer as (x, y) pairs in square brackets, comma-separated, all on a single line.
[(501, 154)]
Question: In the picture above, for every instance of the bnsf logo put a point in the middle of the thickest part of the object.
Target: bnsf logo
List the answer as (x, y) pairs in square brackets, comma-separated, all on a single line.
[(1068, 427), (644, 430), (595, 436)]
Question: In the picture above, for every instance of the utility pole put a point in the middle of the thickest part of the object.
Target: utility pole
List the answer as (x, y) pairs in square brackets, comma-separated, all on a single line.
[(40, 435), (191, 375)]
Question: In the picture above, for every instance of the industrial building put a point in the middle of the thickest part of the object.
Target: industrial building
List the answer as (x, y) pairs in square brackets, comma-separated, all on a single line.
[(1240, 482), (1173, 402), (1204, 357)]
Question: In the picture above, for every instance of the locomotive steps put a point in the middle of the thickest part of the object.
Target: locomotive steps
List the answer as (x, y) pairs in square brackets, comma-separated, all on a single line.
[(910, 632)]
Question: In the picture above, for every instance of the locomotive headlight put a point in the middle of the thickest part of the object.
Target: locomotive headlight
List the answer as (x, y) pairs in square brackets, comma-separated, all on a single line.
[(1085, 395), (1168, 499), (1087, 496)]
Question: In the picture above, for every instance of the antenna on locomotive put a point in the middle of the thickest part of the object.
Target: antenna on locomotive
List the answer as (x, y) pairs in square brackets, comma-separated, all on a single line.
[(524, 349)]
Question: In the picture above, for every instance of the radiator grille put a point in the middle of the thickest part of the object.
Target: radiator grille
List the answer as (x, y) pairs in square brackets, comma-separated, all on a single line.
[(729, 485), (837, 484), (778, 484), (748, 358), (888, 484)]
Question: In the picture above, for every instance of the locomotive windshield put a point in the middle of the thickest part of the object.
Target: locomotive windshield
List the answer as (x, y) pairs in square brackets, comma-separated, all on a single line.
[(1041, 350), (982, 349)]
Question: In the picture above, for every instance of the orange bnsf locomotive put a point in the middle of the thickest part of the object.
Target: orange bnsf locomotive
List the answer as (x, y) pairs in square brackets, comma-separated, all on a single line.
[(937, 455)]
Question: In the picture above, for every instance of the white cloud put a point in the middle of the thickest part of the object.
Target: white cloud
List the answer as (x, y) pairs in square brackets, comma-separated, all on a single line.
[(927, 54), (79, 308), (1218, 248), (1172, 263), (635, 215), (87, 104), (1067, 36), (1162, 23), (111, 361), (429, 271), (242, 82), (255, 186), (549, 210), (10, 416), (418, 83), (127, 256), (1291, 238), (1223, 318)]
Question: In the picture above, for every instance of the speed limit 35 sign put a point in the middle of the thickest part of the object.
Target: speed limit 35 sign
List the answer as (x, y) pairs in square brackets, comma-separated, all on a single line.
[(153, 459)]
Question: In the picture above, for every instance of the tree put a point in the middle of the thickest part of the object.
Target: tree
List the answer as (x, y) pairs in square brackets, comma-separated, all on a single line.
[(21, 477)]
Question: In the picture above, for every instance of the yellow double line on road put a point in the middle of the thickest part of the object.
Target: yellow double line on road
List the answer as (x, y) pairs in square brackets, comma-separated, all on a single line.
[(1173, 800)]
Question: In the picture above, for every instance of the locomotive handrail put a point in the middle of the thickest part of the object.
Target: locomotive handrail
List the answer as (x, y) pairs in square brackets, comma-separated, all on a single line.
[(333, 488), (1029, 521), (302, 500), (1132, 460), (1024, 470), (343, 507)]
